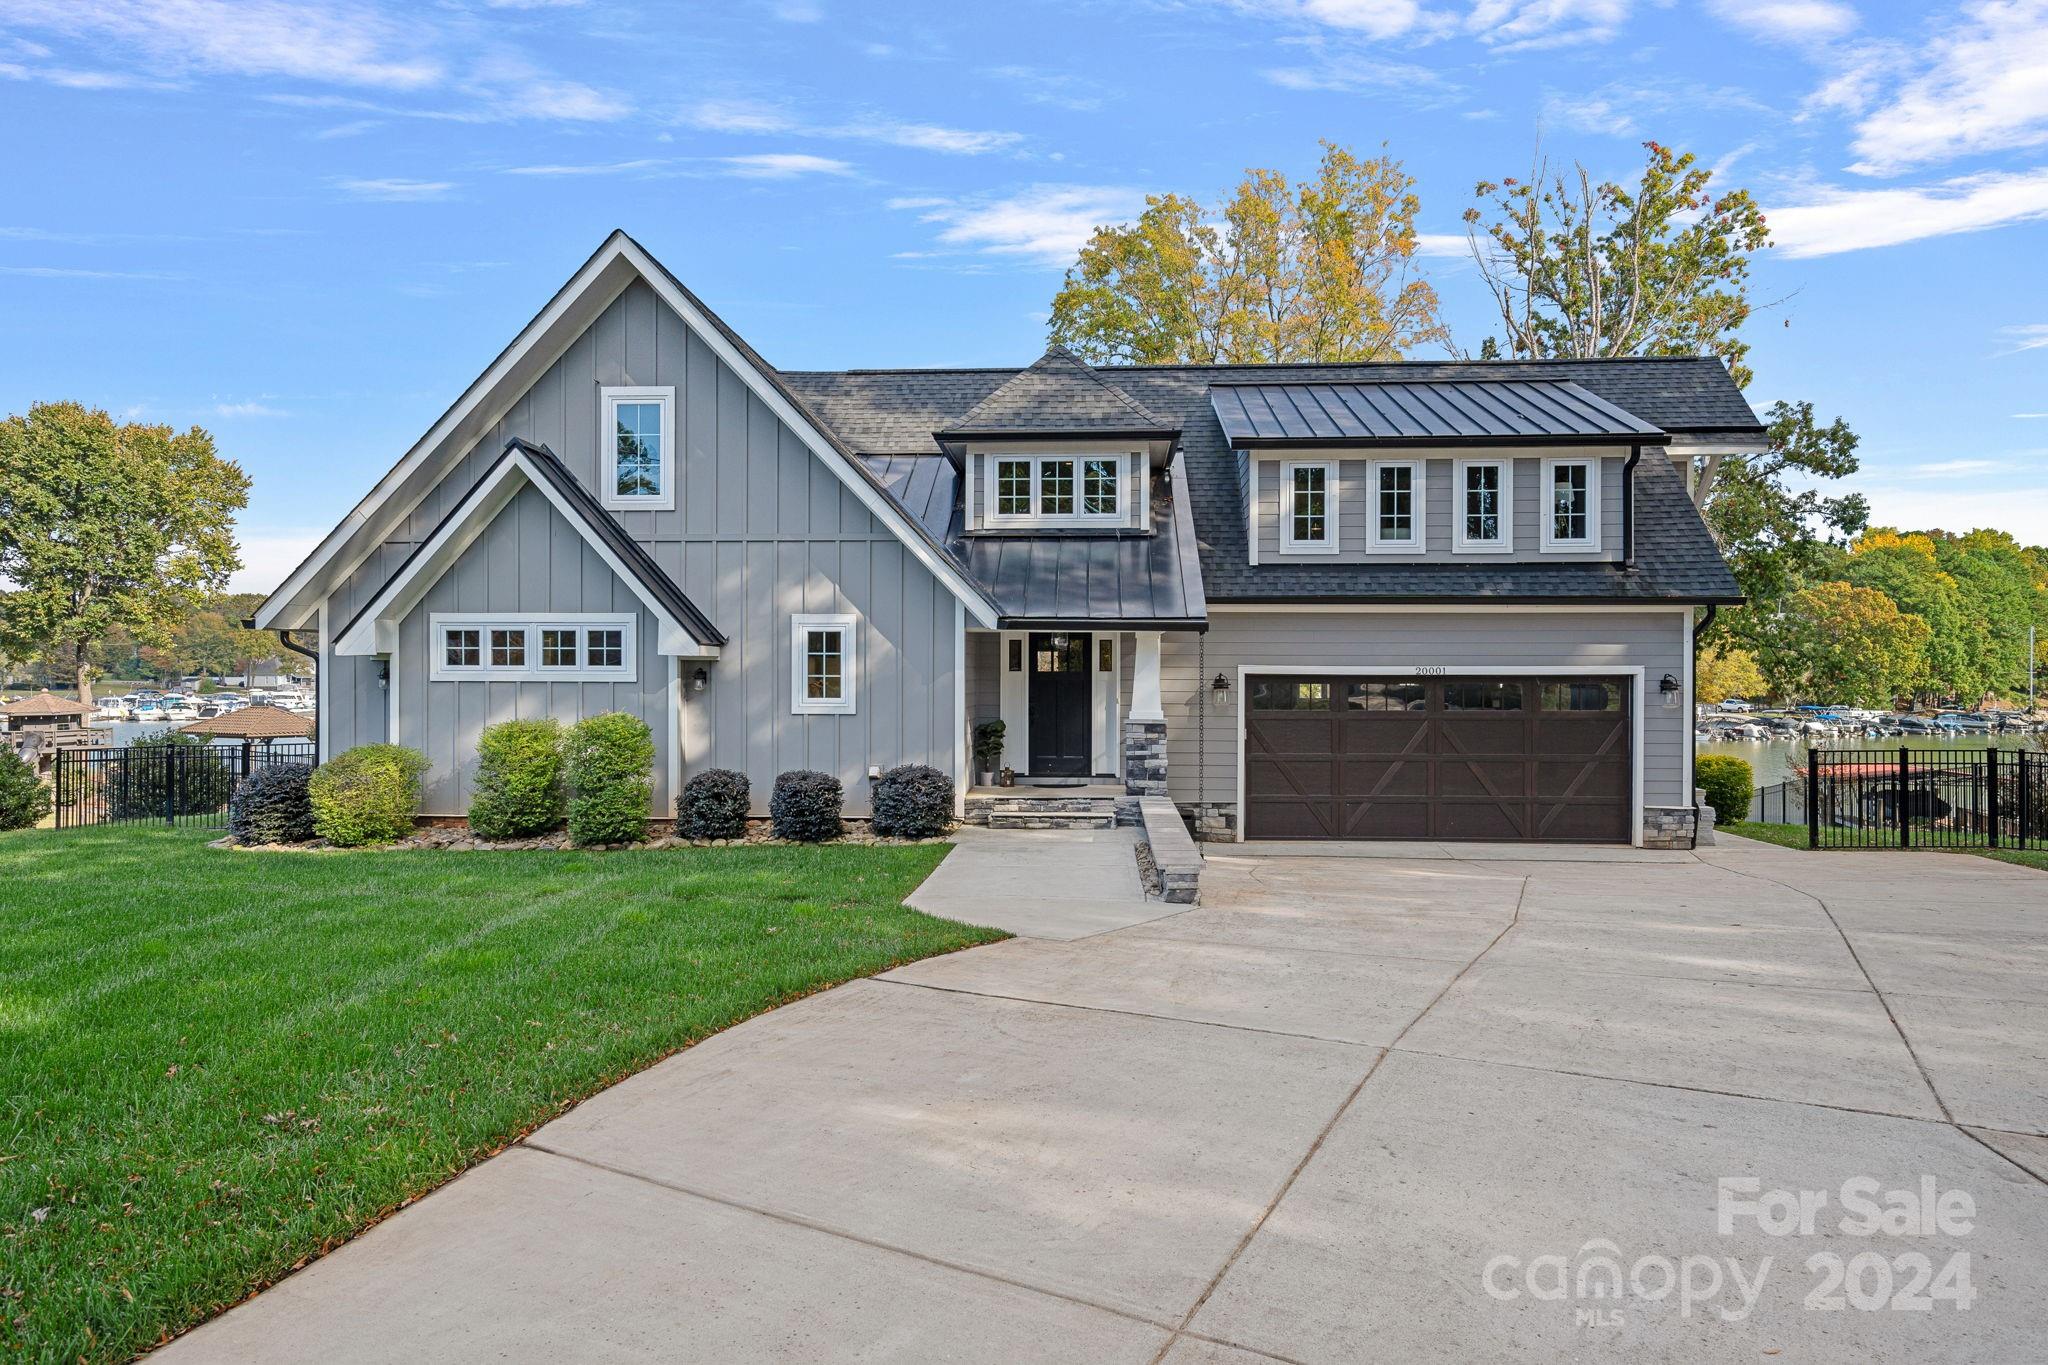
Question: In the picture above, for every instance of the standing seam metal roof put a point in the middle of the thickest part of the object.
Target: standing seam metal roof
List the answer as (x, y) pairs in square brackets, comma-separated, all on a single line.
[(1507, 411)]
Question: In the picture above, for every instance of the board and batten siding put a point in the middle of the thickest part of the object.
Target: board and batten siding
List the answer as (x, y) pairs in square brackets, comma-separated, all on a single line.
[(761, 530), (1439, 508), (1654, 641)]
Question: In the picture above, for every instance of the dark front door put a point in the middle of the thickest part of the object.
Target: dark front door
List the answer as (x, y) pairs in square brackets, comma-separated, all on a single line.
[(1523, 758), (1060, 690)]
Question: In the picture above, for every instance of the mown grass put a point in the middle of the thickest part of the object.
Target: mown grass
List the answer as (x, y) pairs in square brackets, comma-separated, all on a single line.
[(1794, 836), (215, 1065)]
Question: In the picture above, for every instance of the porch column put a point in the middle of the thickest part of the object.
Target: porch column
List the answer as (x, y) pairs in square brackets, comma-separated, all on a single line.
[(1145, 726)]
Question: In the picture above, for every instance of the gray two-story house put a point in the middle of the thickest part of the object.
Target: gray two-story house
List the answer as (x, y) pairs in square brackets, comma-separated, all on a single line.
[(1439, 600)]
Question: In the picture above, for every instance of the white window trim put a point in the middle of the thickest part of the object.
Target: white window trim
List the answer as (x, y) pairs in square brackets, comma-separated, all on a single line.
[(993, 516), (1546, 522), (1418, 508), (608, 448), (1327, 545), (849, 657), (440, 622), (1506, 543)]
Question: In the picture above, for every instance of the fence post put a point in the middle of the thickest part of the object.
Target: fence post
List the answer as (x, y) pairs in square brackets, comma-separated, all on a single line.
[(2026, 795), (170, 752), (1991, 795), (1905, 776), (248, 756), (1812, 797)]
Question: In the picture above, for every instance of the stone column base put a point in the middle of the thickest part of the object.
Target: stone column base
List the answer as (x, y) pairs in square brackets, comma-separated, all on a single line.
[(1145, 757), (1668, 826)]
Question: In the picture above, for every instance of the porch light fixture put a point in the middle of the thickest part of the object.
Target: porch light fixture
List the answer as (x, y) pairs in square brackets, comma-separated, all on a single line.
[(1219, 693), (1668, 685), (383, 674), (700, 679), (1219, 684)]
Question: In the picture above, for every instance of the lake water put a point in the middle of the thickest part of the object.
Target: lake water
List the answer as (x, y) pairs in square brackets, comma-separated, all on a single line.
[(1772, 759)]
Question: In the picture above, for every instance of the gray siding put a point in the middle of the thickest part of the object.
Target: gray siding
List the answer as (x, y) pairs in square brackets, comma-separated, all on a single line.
[(1653, 641), (761, 530), (1438, 508)]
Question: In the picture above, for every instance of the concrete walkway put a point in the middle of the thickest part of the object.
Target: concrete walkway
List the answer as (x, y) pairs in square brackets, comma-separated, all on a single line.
[(1338, 1112)]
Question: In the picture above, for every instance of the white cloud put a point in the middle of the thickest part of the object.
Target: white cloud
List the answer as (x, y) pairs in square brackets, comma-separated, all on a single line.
[(1948, 469), (1507, 24), (1791, 20), (1982, 88), (797, 11), (1444, 244), (250, 408), (752, 116), (1834, 220), (599, 168), (58, 272), (2030, 336), (269, 556), (2024, 416), (2021, 511), (519, 89), (396, 190), (783, 165), (1045, 224)]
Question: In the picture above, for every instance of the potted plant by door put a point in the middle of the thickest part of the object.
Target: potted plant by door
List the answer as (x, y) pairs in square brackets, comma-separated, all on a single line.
[(988, 750)]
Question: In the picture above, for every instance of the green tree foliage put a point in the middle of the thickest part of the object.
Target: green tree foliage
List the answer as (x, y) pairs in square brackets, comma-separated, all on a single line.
[(107, 525), (24, 800), (1323, 270), (1725, 670), (1838, 643), (1583, 271)]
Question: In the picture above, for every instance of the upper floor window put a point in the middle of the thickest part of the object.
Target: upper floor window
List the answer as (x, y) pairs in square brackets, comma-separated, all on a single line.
[(556, 647), (1484, 517), (636, 454), (1571, 514), (1396, 515), (1308, 510), (1074, 488), (822, 655)]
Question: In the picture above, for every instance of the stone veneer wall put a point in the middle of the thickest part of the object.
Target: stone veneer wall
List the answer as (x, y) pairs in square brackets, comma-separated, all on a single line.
[(1668, 826), (1145, 757)]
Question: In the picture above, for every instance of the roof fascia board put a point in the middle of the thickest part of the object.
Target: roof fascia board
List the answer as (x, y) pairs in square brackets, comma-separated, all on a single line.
[(1467, 603)]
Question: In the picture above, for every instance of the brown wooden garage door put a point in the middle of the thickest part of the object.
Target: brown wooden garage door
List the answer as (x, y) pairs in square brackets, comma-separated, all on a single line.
[(1524, 758)]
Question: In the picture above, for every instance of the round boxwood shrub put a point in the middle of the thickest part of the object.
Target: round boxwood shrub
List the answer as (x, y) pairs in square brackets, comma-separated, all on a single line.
[(713, 805), (273, 806), (608, 764), (140, 781), (913, 802), (518, 780), (368, 795), (23, 799), (806, 805), (1729, 783)]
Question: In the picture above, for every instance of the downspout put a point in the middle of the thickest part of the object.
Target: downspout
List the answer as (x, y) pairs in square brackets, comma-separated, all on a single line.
[(284, 637), (1628, 507), (1692, 731)]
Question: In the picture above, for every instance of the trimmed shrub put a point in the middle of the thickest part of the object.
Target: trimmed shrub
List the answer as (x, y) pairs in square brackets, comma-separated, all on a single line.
[(713, 805), (518, 780), (1729, 783), (608, 763), (140, 781), (23, 799), (368, 795), (913, 802), (806, 805), (274, 806)]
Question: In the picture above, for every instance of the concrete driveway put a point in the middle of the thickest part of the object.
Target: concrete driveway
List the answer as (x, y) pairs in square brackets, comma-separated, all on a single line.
[(1348, 1109)]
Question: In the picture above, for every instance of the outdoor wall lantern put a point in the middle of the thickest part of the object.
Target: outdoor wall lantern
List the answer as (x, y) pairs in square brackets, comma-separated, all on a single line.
[(1219, 691), (1668, 685), (700, 679), (383, 674)]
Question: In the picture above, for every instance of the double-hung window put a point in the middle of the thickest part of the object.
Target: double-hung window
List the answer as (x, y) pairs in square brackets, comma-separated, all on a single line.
[(1571, 504), (1056, 489), (636, 449), (822, 655), (1394, 519), (547, 647), (1483, 513), (1308, 507)]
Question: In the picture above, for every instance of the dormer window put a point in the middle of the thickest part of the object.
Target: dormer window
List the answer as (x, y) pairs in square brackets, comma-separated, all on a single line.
[(1571, 513), (1069, 490), (1396, 513), (1308, 512), (1485, 494)]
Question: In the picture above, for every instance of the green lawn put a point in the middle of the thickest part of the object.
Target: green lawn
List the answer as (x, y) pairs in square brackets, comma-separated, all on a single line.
[(214, 1065), (1794, 836)]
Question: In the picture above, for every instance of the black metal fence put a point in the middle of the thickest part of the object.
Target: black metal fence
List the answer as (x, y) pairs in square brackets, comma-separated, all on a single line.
[(1927, 798), (1781, 803), (162, 784)]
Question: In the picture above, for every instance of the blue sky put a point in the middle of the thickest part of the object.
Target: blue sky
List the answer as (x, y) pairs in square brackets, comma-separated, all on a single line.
[(308, 226)]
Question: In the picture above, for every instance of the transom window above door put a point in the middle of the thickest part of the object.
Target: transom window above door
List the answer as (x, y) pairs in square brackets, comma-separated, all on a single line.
[(636, 463), (1055, 489), (550, 647)]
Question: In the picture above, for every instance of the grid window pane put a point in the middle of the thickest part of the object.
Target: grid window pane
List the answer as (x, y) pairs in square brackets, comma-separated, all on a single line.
[(638, 454), (1388, 696), (1099, 488), (1310, 494), (1482, 503), (1056, 488), (1483, 696), (1568, 502), (558, 649), (605, 648), (1013, 488), (1582, 696), (823, 658), (1277, 694), (465, 648), (1397, 503), (508, 649)]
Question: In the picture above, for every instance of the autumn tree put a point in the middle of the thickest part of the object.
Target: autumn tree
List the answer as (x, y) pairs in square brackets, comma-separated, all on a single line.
[(1725, 671), (1905, 569), (1838, 643), (106, 524), (1585, 271), (1323, 270)]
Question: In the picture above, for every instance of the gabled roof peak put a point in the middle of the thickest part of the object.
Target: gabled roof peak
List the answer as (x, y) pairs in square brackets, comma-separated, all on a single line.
[(1058, 393)]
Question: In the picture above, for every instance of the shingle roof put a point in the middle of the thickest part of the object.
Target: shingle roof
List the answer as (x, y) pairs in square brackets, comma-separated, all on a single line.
[(253, 722), (45, 703), (1399, 411), (1058, 393)]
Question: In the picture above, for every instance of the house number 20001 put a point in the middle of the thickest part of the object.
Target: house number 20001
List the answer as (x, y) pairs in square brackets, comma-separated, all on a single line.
[(1430, 670)]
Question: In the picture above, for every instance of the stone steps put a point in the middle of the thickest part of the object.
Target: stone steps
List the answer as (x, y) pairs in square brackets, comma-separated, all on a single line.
[(1052, 812)]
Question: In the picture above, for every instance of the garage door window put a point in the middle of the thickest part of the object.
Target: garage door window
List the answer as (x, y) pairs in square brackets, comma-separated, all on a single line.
[(1281, 694), (1388, 696), (1483, 696), (1582, 696)]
